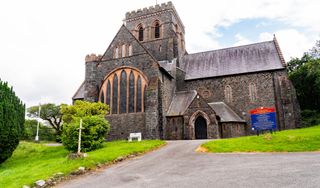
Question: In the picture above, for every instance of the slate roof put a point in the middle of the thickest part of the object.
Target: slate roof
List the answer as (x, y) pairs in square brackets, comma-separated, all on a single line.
[(180, 102), (166, 65), (236, 60), (79, 93), (225, 112)]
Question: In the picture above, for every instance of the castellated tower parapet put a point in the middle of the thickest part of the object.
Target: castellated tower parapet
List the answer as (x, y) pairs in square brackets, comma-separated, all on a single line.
[(167, 41), (152, 11)]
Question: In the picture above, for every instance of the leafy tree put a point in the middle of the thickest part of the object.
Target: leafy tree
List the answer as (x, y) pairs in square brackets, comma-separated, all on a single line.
[(30, 131), (12, 113), (95, 126), (50, 113), (315, 51), (305, 76)]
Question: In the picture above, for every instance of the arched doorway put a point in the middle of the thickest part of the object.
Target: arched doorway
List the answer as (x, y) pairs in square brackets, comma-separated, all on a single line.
[(200, 126)]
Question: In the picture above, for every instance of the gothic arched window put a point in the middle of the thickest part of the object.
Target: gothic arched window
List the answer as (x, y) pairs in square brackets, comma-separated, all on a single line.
[(228, 93), (130, 50), (156, 30), (127, 93), (116, 53), (140, 33), (123, 51), (253, 92)]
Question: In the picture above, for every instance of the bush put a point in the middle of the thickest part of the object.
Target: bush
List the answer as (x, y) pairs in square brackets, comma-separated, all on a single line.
[(12, 113), (30, 130), (95, 126), (93, 133), (310, 118)]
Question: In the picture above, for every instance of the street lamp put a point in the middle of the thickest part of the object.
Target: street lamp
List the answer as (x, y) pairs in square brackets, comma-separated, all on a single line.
[(37, 136)]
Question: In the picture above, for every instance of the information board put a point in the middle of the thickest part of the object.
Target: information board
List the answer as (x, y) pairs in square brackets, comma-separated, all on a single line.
[(263, 118)]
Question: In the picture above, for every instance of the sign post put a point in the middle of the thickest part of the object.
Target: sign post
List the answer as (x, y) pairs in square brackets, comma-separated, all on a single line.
[(263, 118)]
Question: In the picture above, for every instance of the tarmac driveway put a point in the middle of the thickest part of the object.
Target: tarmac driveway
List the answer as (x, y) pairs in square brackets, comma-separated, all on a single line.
[(178, 165)]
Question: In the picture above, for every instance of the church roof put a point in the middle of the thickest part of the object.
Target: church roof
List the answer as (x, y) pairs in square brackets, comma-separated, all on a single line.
[(225, 113), (180, 102), (79, 93), (257, 57)]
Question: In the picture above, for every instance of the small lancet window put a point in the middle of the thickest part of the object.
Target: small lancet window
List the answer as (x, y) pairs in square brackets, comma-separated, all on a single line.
[(130, 50), (140, 28), (228, 93), (157, 30), (123, 50), (116, 53), (253, 92)]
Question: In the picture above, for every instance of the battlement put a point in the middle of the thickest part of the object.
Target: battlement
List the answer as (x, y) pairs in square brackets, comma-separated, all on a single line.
[(149, 10), (93, 58)]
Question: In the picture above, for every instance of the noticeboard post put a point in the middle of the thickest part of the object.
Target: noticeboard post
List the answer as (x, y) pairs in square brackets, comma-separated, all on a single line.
[(263, 118)]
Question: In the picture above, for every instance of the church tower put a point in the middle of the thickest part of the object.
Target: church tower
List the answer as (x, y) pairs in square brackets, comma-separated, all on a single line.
[(160, 30)]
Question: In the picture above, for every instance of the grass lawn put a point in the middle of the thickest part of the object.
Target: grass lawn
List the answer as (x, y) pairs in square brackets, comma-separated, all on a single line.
[(31, 162), (307, 139)]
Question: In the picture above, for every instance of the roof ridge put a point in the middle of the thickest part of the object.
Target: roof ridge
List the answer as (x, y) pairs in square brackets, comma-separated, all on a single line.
[(252, 44)]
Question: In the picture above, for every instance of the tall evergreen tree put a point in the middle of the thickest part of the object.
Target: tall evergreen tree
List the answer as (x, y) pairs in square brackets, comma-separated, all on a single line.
[(12, 114)]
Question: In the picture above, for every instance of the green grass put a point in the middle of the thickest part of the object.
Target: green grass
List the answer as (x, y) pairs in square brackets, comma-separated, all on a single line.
[(298, 140), (31, 162)]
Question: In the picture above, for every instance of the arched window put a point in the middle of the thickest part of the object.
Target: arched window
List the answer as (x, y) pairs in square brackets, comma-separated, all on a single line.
[(253, 92), (123, 92), (228, 93), (115, 95), (116, 53), (127, 93), (123, 50), (157, 30), (140, 30), (130, 50)]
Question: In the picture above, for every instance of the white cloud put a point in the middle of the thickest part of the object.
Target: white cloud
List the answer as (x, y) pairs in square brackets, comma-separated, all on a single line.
[(241, 40), (43, 43)]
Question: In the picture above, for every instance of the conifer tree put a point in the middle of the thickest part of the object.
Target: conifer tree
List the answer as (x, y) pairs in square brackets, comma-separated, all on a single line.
[(12, 114)]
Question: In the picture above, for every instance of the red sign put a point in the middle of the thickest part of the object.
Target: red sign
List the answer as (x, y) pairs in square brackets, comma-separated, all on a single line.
[(262, 110)]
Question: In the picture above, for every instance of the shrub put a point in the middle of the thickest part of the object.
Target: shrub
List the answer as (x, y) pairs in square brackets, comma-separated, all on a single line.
[(95, 126), (94, 129), (45, 133), (12, 113), (310, 118)]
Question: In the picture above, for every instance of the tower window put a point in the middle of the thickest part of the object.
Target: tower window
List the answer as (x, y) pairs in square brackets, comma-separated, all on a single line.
[(157, 30), (140, 28)]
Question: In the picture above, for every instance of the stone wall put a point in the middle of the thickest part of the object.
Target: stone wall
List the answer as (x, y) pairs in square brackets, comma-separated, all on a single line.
[(232, 129), (124, 124), (268, 91)]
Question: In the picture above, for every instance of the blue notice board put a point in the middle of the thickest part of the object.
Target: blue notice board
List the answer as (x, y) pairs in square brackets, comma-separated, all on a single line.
[(263, 119)]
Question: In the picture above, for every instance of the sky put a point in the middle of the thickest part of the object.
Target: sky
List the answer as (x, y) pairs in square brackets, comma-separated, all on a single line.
[(43, 43)]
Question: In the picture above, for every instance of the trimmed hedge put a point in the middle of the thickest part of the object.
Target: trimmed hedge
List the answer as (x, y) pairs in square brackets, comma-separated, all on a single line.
[(12, 114)]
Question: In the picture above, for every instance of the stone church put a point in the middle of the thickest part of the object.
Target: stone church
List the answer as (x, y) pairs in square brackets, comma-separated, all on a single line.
[(154, 86)]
